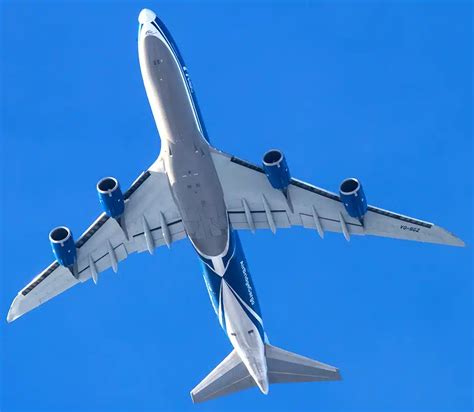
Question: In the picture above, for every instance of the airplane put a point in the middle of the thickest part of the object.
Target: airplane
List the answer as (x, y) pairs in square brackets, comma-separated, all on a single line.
[(195, 191)]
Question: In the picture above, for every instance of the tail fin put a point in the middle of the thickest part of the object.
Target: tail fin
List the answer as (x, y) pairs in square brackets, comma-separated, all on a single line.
[(231, 375)]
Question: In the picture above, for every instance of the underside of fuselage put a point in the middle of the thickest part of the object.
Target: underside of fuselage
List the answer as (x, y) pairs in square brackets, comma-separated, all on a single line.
[(185, 156), (230, 285), (185, 153)]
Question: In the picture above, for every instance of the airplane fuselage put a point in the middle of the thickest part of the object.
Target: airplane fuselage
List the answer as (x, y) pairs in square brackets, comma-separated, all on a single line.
[(186, 158)]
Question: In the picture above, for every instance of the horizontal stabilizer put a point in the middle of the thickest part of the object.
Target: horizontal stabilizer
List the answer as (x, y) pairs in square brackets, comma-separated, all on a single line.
[(231, 375), (286, 367)]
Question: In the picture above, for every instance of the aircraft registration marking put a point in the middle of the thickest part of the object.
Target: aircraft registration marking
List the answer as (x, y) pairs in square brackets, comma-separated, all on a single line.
[(410, 228)]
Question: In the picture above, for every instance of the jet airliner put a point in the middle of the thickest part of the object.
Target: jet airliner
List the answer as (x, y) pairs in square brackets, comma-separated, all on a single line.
[(195, 191)]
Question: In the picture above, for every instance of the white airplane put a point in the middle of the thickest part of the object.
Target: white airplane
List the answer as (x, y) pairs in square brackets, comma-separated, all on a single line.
[(196, 191)]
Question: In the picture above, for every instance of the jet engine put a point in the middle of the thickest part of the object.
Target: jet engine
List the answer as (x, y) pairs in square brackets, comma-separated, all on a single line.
[(64, 248), (353, 198), (111, 197), (276, 169)]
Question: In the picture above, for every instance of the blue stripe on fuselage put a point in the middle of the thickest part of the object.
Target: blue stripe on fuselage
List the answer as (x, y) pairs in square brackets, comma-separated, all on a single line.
[(159, 25), (238, 278)]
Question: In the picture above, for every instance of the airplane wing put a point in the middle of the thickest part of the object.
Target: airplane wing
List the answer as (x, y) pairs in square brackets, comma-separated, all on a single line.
[(253, 204), (151, 219)]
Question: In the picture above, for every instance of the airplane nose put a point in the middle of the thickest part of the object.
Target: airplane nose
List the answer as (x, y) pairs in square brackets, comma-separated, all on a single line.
[(146, 16)]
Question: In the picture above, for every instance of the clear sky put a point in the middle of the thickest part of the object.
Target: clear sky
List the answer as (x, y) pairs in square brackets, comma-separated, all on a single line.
[(380, 91)]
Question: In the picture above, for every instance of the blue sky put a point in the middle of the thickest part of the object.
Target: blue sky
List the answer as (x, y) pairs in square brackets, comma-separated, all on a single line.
[(381, 91)]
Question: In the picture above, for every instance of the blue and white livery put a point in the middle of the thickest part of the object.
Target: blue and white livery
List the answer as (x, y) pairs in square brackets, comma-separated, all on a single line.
[(194, 191)]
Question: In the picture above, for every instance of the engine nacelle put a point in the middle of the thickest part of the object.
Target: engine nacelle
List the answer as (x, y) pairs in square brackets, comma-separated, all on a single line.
[(276, 169), (111, 197), (353, 198), (63, 245)]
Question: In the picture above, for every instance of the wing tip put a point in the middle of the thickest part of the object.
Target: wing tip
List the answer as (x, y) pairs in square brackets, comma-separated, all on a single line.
[(452, 239), (459, 243), (11, 318), (337, 375), (14, 312), (193, 398)]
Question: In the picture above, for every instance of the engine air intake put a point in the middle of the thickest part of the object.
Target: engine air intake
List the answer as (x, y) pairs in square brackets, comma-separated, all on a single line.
[(107, 184), (64, 248), (353, 197), (276, 169), (111, 197)]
